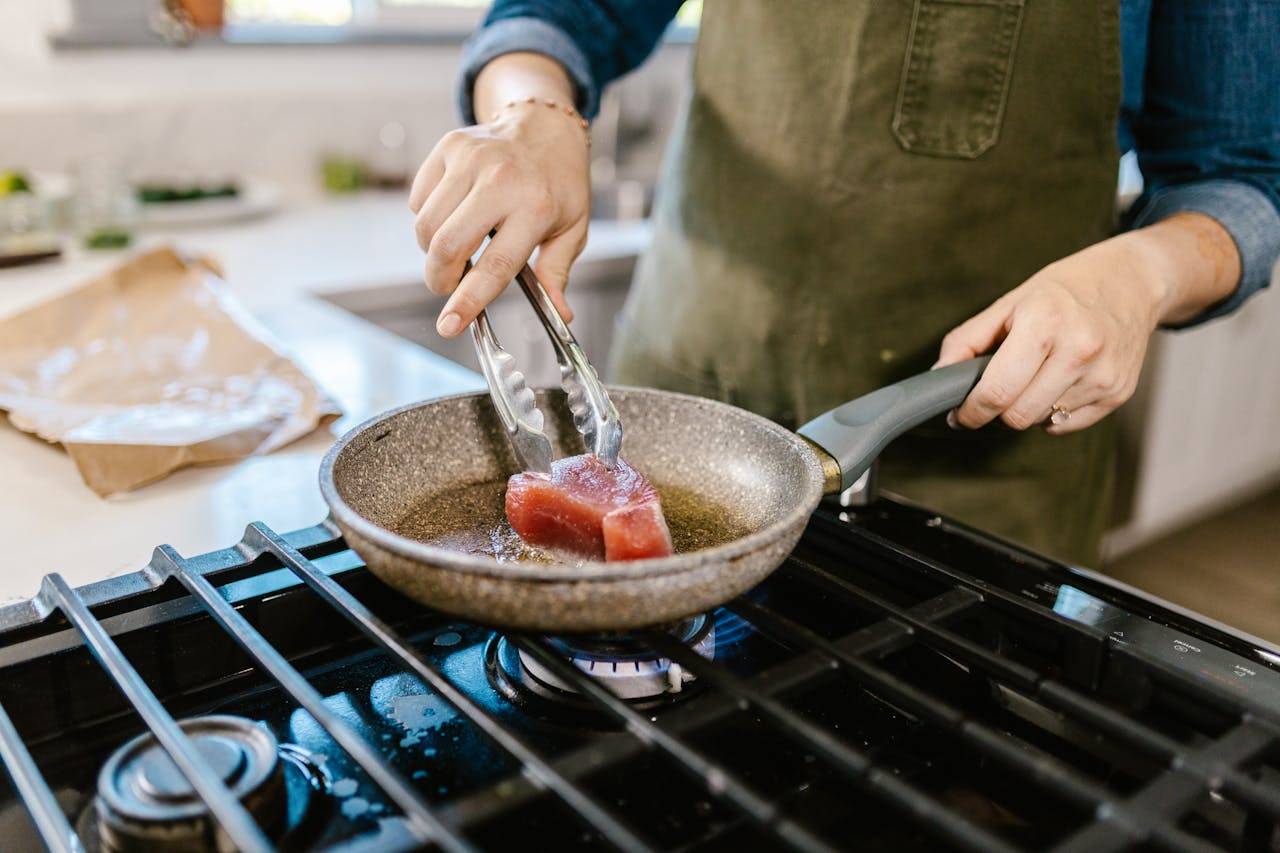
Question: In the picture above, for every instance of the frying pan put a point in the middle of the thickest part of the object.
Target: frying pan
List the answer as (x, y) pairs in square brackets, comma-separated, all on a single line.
[(766, 481)]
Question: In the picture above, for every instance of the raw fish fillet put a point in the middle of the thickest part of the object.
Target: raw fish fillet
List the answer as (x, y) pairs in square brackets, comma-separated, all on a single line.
[(588, 510), (636, 531)]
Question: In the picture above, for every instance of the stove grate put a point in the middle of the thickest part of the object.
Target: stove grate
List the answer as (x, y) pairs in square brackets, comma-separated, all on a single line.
[(1151, 815), (266, 656), (227, 810), (54, 828), (1214, 767), (715, 776), (881, 639), (382, 634)]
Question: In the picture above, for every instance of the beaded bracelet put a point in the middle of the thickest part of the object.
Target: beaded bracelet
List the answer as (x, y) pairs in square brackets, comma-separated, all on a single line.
[(567, 109)]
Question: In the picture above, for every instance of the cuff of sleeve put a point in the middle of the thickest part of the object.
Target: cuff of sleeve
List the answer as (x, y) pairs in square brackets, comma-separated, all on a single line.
[(512, 35), (1244, 211)]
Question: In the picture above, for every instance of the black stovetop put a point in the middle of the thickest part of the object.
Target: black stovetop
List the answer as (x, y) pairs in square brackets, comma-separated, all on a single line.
[(901, 683)]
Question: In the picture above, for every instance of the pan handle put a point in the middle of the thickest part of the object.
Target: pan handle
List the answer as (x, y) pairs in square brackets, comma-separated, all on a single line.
[(855, 432)]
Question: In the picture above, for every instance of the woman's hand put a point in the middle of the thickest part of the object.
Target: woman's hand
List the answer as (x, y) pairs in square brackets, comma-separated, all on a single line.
[(524, 173), (1073, 336)]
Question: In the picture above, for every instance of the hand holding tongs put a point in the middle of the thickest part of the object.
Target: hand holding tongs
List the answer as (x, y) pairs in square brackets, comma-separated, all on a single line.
[(594, 415)]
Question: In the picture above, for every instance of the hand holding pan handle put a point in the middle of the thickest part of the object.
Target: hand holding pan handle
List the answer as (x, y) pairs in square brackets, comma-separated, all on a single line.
[(855, 433)]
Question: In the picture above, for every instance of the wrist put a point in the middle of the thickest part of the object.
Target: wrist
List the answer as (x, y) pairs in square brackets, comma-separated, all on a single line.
[(541, 114), (517, 76), (1154, 276), (1194, 262)]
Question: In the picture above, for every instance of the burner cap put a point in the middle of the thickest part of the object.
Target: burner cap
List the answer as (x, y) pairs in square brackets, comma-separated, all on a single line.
[(156, 776), (623, 664), (145, 801)]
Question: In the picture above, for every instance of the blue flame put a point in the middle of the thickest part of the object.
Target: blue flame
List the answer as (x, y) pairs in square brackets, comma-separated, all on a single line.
[(730, 628)]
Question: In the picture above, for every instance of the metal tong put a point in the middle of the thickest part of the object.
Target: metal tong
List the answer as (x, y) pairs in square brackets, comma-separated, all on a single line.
[(594, 414)]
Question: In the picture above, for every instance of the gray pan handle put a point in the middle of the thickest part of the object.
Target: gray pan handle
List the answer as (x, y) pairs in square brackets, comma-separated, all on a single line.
[(856, 432)]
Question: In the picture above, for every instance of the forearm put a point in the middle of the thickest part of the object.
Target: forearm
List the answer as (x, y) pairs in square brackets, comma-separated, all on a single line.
[(595, 41), (516, 76), (1195, 261)]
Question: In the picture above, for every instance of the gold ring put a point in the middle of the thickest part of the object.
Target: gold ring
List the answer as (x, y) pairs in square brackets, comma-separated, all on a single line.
[(1059, 416)]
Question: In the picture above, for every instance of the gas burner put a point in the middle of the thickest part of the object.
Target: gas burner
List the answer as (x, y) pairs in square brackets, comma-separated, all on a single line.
[(618, 661), (145, 803)]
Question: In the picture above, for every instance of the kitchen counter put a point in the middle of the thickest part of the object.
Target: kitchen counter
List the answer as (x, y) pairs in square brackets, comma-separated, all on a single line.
[(278, 267)]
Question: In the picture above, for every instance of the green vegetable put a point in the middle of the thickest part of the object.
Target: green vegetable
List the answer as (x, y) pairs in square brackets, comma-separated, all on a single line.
[(13, 182), (343, 174), (108, 238), (166, 193)]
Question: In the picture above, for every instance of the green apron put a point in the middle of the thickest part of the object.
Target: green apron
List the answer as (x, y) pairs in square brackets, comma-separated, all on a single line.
[(850, 181)]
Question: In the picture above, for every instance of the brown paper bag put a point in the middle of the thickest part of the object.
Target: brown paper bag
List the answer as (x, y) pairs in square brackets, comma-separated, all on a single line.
[(150, 368)]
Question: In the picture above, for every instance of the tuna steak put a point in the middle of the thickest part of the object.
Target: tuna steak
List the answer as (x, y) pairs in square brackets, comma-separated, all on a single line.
[(587, 510)]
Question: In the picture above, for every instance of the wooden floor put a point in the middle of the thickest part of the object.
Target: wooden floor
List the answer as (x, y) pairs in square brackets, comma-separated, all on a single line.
[(1227, 567)]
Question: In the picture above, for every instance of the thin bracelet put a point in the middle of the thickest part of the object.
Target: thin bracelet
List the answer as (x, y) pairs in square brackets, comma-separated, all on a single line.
[(567, 109)]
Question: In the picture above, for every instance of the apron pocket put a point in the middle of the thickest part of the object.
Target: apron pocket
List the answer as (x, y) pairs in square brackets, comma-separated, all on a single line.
[(955, 79)]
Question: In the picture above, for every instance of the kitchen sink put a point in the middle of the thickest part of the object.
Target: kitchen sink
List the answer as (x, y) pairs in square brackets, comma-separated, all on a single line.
[(597, 289)]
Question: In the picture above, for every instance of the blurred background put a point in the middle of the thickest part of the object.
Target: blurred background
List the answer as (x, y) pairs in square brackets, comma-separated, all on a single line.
[(272, 88), (280, 135)]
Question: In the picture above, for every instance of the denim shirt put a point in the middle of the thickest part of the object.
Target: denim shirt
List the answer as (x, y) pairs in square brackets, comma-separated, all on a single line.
[(1200, 106)]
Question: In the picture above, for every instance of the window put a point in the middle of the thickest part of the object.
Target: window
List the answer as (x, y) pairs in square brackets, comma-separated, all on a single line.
[(355, 14), (327, 13), (127, 23), (139, 22)]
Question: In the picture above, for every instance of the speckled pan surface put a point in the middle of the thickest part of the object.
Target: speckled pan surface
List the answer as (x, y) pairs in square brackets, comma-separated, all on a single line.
[(385, 468)]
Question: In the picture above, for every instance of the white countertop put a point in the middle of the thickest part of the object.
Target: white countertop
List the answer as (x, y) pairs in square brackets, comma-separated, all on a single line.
[(50, 521)]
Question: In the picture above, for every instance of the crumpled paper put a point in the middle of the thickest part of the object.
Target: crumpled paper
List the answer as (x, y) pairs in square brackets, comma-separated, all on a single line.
[(150, 368)]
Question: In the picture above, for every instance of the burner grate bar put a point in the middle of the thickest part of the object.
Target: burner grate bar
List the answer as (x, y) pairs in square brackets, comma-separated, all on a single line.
[(416, 809), (836, 752), (1087, 641), (946, 641), (226, 809), (1087, 644), (382, 634), (1041, 767), (1173, 792), (50, 822), (1216, 777), (719, 781), (880, 639)]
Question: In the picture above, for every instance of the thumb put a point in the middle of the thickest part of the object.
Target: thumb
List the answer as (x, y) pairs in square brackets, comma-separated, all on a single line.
[(555, 257), (979, 334)]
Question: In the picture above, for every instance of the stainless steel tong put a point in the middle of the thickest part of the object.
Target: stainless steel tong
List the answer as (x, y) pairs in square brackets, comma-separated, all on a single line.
[(594, 414)]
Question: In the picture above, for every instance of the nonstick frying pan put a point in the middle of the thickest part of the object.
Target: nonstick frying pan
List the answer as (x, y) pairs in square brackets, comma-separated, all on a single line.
[(763, 479)]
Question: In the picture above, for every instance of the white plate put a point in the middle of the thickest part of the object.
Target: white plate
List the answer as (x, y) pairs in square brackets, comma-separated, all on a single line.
[(256, 198)]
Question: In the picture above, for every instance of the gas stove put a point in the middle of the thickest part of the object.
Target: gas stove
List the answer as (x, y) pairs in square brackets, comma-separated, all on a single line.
[(902, 682)]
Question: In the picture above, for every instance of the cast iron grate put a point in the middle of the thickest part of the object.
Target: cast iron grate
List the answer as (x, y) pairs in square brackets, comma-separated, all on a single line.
[(1150, 815)]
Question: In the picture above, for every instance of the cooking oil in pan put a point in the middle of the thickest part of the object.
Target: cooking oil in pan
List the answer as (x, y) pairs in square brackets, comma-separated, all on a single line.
[(473, 519)]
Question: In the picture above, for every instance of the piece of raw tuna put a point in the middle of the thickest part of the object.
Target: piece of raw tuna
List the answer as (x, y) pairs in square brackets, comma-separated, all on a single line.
[(588, 510), (636, 531)]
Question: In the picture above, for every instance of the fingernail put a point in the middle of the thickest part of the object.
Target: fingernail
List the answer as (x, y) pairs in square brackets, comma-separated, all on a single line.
[(449, 325), (952, 420), (935, 364)]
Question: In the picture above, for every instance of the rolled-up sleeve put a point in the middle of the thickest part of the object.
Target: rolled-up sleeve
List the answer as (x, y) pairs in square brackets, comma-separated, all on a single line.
[(1208, 133), (597, 41), (1247, 214)]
